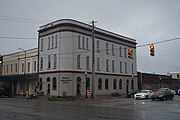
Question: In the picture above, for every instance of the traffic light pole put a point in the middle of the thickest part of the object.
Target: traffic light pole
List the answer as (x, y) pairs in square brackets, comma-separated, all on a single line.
[(93, 63)]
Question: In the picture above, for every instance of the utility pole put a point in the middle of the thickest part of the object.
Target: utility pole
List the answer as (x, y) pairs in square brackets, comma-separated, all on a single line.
[(93, 63)]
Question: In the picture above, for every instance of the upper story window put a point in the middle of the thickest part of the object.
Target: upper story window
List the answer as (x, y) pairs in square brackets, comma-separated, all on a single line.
[(107, 65), (35, 65), (113, 49), (49, 61), (16, 68), (113, 67), (55, 61), (120, 67), (22, 67), (98, 63), (56, 41), (98, 46), (49, 43), (28, 66), (78, 61), (42, 45), (41, 63), (87, 43), (6, 68), (79, 42), (83, 42), (126, 71), (125, 52), (107, 48), (132, 66), (87, 62), (120, 51), (52, 45), (11, 68)]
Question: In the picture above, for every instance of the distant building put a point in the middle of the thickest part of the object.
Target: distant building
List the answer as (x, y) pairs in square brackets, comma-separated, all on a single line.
[(65, 56), (19, 75), (1, 65), (175, 79), (153, 81)]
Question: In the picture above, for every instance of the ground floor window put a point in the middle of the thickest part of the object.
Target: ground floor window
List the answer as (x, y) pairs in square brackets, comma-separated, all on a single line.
[(54, 83), (106, 84)]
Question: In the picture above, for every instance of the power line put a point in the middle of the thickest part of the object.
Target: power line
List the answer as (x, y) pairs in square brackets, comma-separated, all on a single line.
[(17, 37), (20, 19), (163, 41)]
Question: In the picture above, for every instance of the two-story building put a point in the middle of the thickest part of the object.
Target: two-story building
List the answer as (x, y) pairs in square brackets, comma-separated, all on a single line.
[(65, 60), (20, 71)]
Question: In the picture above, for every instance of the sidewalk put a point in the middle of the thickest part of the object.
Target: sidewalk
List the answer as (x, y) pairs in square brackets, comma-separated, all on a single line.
[(81, 98)]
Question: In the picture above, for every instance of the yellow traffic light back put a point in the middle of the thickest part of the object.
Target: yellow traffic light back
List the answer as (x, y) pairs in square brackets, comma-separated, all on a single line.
[(130, 53), (152, 50)]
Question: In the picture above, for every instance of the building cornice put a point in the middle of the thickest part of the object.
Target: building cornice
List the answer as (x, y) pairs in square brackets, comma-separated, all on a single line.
[(84, 26)]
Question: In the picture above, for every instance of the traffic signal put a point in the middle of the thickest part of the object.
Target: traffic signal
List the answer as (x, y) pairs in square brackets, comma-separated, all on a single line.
[(152, 50), (130, 53)]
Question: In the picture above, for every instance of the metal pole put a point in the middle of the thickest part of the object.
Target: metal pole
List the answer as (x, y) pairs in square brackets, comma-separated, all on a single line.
[(86, 84), (25, 70), (24, 67), (93, 63)]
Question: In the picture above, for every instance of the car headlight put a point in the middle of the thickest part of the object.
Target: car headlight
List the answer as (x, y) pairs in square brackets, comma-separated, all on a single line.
[(143, 95), (161, 96)]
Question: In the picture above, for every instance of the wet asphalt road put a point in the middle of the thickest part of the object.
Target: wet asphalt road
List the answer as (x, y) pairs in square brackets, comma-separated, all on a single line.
[(117, 109)]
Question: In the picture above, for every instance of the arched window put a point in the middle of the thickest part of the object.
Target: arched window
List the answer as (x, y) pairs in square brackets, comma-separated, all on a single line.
[(114, 84), (78, 61), (40, 84), (132, 84), (99, 84), (106, 84), (48, 79), (54, 83), (120, 84)]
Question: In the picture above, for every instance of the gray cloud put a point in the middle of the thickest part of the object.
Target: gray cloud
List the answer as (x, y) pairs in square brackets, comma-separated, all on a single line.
[(147, 21)]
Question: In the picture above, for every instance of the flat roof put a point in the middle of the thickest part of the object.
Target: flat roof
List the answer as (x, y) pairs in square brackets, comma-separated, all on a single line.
[(84, 25)]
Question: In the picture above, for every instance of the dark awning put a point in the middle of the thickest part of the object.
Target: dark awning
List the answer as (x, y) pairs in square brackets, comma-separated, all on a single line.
[(33, 76)]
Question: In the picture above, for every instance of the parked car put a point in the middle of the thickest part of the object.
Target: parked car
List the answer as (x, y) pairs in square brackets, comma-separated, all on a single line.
[(5, 92), (131, 94), (174, 92), (178, 92), (144, 94), (163, 94)]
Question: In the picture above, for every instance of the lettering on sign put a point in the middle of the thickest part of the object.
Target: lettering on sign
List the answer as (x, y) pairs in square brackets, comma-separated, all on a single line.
[(66, 80)]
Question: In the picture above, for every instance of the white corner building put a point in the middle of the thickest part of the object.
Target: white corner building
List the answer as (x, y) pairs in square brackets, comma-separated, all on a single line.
[(65, 60)]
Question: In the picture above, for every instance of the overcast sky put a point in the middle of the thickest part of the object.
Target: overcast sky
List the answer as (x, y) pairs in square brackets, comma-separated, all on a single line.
[(147, 21)]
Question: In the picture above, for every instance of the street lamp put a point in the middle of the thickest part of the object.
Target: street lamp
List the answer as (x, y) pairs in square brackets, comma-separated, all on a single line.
[(86, 83), (24, 64), (160, 81)]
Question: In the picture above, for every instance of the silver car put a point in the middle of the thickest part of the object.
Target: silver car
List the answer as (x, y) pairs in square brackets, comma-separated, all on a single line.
[(144, 94)]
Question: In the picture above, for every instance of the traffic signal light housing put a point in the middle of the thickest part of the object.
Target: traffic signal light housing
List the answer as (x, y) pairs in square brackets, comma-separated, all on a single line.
[(130, 53), (152, 50)]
